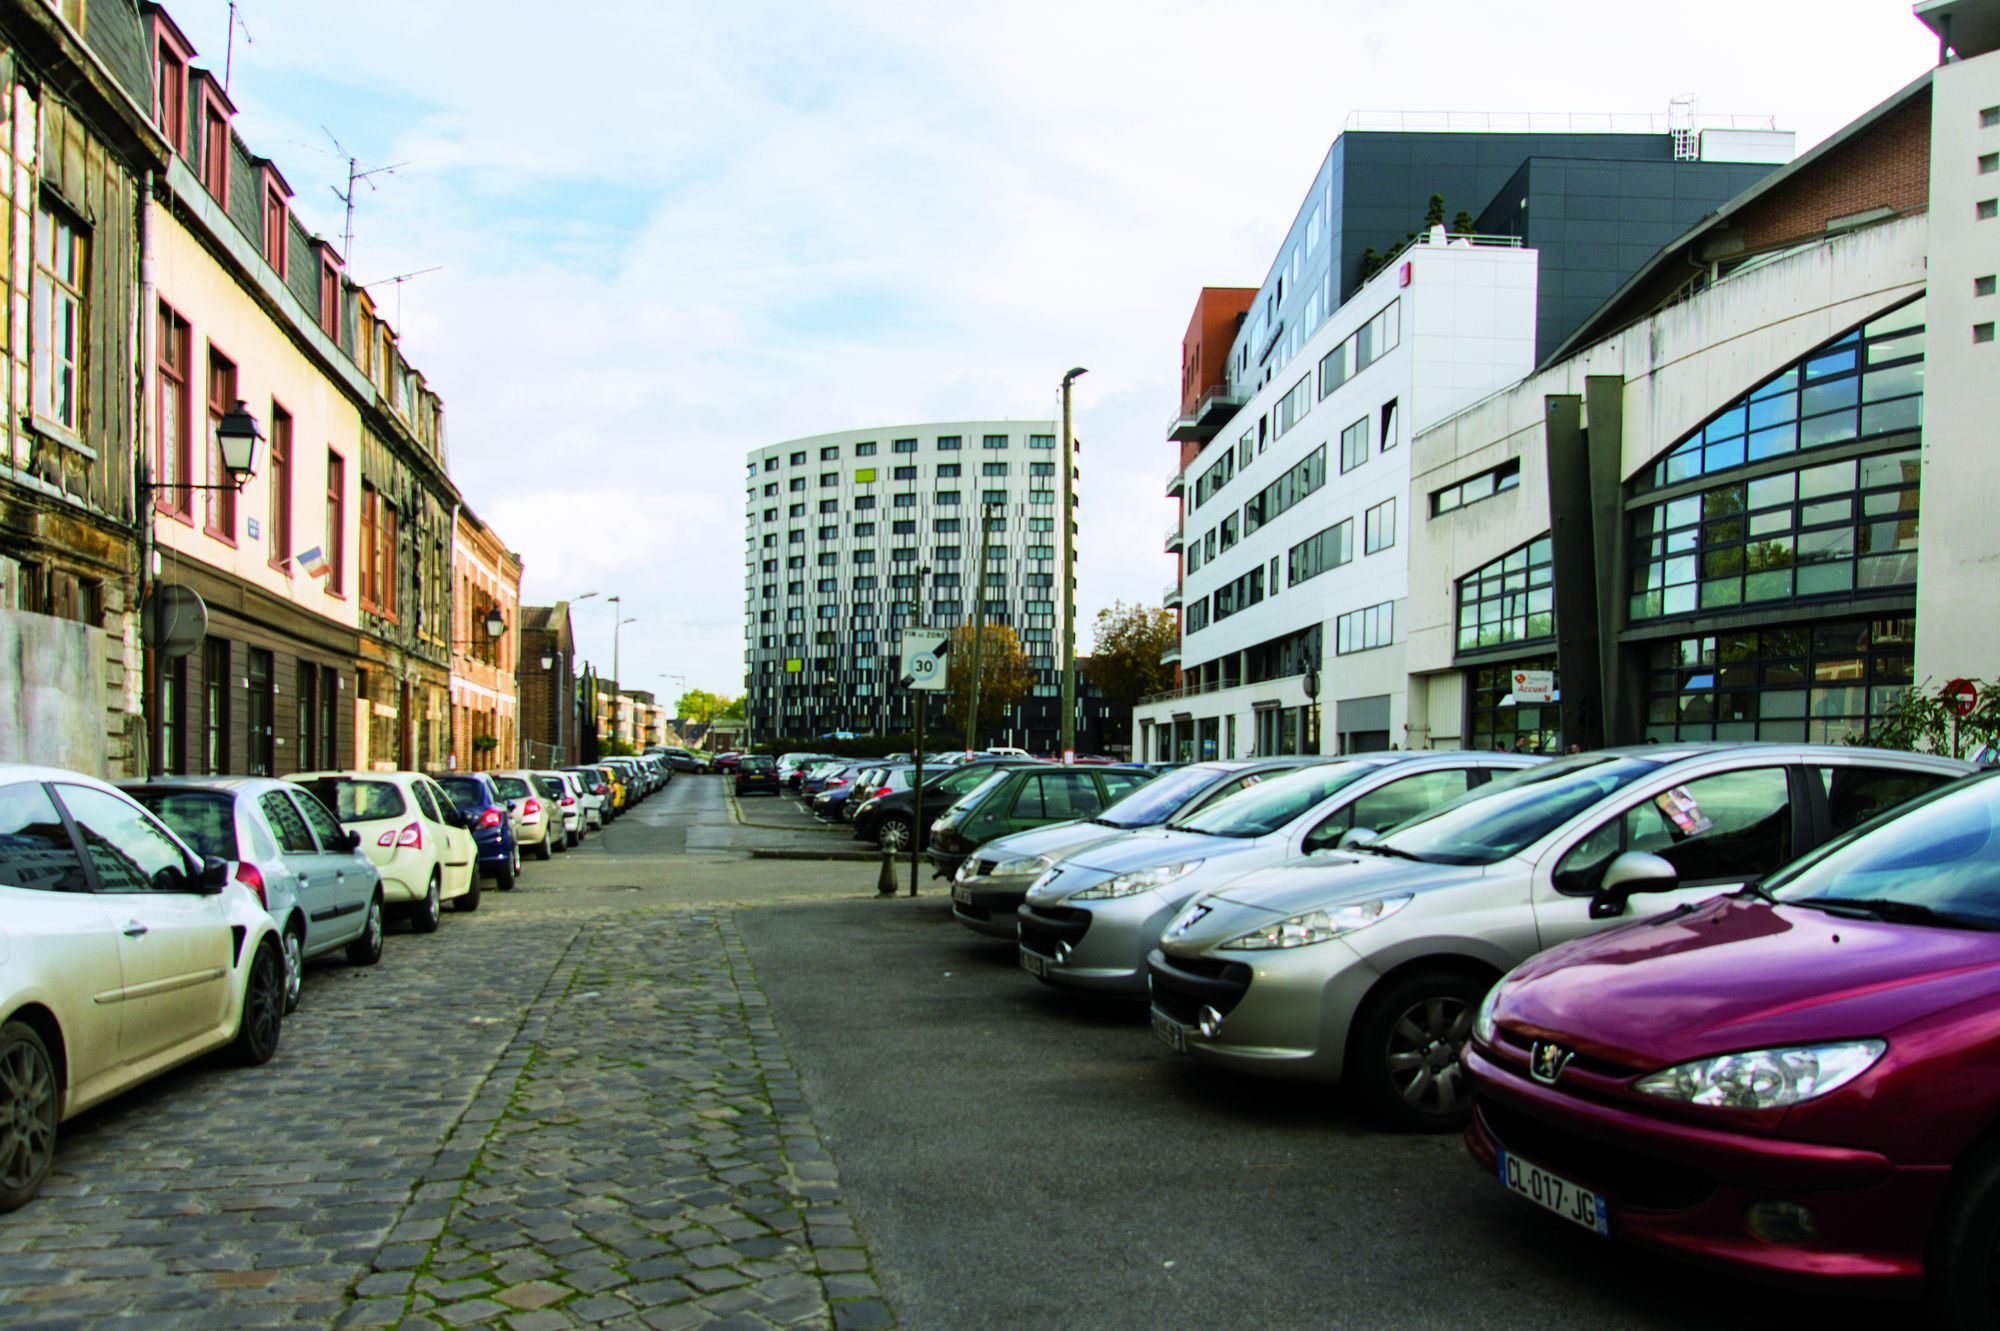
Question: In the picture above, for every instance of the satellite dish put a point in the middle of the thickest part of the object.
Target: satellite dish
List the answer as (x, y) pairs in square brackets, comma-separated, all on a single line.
[(173, 621)]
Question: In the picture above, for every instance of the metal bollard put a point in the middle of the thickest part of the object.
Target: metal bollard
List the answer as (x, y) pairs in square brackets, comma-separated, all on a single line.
[(885, 882)]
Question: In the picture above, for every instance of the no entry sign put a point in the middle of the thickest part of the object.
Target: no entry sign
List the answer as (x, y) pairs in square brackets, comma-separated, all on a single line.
[(1960, 697)]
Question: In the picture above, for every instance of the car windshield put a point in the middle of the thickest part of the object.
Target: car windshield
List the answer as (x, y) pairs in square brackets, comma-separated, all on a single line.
[(961, 779), (551, 786), (358, 801), (1262, 809), (205, 819), (1935, 861), (1159, 799), (1490, 822), (758, 765), (511, 787)]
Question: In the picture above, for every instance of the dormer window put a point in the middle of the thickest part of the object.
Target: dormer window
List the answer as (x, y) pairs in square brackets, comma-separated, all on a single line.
[(172, 54), (216, 110), (329, 293), (277, 221)]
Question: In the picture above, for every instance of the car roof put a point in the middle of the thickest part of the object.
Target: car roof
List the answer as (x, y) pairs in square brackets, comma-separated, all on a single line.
[(1684, 750), (244, 785)]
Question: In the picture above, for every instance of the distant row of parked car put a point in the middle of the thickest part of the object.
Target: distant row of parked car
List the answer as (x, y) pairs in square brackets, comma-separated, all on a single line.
[(145, 925), (1739, 1003)]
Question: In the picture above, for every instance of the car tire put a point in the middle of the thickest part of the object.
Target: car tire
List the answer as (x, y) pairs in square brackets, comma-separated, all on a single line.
[(29, 1094), (468, 903), (1965, 1240), (503, 878), (294, 946), (262, 1019), (893, 833), (425, 914), (1403, 1056), (542, 848), (367, 949)]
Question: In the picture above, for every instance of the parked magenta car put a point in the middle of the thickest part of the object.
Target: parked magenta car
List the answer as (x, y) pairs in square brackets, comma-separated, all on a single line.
[(1799, 1081)]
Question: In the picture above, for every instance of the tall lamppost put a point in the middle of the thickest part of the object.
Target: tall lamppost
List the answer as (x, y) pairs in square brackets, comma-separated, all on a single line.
[(1069, 573)]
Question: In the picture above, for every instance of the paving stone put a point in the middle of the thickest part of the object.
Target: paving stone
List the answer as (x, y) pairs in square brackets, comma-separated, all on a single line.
[(597, 1102)]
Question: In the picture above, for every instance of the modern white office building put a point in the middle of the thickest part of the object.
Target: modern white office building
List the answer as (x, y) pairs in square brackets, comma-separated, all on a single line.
[(837, 529)]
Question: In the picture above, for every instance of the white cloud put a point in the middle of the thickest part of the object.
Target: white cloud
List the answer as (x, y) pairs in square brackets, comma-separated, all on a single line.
[(671, 232)]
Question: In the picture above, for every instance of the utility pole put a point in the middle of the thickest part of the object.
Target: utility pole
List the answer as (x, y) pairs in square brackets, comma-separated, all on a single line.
[(1068, 744), (978, 630), (921, 703)]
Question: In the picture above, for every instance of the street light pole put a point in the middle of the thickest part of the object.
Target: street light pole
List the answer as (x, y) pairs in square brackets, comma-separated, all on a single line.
[(1068, 744)]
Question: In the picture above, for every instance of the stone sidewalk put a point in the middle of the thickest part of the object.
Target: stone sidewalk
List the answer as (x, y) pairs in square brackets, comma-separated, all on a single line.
[(532, 1122)]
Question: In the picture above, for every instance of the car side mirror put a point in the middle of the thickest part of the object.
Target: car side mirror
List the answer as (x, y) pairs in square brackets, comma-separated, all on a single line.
[(1358, 836), (214, 874), (350, 841), (1633, 871)]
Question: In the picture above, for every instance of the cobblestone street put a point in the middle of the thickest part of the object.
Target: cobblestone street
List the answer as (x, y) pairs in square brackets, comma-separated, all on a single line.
[(545, 1115)]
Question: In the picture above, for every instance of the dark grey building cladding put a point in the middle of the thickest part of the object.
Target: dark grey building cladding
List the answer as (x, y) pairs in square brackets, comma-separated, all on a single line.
[(1597, 207)]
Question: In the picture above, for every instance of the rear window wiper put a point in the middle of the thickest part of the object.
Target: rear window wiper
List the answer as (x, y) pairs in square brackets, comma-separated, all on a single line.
[(1894, 912)]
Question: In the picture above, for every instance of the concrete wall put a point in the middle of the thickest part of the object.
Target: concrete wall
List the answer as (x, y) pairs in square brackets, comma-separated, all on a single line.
[(52, 692), (1958, 559)]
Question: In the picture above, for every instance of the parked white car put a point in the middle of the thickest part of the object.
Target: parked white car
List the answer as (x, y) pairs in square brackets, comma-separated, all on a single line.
[(533, 815), (122, 954), (566, 789), (413, 833)]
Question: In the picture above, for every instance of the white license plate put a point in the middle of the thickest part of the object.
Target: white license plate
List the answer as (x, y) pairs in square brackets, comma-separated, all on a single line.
[(961, 894), (1170, 1032), (1034, 963), (1551, 1192)]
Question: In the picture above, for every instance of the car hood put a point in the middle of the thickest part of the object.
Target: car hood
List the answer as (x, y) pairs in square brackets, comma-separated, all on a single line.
[(1318, 882), (1122, 852), (1054, 841), (1740, 973)]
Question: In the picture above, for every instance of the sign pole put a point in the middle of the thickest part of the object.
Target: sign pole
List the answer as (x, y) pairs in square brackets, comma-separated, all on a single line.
[(921, 704)]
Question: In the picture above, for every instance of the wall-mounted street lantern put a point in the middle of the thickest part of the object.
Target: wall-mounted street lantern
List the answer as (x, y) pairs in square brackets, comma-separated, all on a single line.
[(495, 625), (548, 659), (237, 436)]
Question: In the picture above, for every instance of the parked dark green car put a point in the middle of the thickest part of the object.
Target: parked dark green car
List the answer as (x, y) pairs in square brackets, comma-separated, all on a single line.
[(1015, 799)]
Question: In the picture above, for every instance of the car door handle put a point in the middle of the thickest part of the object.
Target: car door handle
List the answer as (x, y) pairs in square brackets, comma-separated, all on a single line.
[(134, 929)]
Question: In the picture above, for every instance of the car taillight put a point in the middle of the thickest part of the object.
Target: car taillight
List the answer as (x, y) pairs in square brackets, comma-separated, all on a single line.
[(568, 800), (883, 791), (838, 781), (531, 808), (597, 790), (247, 875), (411, 838), (491, 818)]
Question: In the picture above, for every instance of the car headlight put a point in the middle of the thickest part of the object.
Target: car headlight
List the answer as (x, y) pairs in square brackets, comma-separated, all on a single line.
[(869, 805), (1764, 1078), (1316, 926), (1485, 1028), (1139, 880), (1024, 866)]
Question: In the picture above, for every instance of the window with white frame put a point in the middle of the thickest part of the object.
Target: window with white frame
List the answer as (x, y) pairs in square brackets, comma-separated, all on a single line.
[(1378, 527), (1365, 630), (1354, 445), (58, 312)]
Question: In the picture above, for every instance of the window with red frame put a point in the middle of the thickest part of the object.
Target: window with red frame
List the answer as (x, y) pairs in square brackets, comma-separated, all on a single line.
[(215, 153), (221, 519), (281, 489), (176, 460), (170, 94), (329, 298), (276, 251), (336, 523)]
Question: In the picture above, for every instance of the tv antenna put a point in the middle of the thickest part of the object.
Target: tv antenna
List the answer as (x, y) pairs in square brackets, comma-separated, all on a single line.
[(229, 46), (397, 281), (355, 176)]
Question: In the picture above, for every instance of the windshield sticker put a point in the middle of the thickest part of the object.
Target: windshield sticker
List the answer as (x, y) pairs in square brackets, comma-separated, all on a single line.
[(1683, 811)]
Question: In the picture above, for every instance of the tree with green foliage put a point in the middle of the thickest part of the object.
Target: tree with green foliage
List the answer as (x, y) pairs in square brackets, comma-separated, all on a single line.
[(1919, 721), (1124, 663), (1005, 675), (701, 705)]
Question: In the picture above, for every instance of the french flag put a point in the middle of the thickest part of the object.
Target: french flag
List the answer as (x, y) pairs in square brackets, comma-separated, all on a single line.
[(314, 562)]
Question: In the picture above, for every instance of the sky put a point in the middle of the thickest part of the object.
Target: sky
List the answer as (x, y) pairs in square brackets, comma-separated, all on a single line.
[(666, 233)]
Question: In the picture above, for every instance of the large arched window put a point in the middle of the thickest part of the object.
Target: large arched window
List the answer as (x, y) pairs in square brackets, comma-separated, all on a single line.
[(1771, 530), (1509, 600)]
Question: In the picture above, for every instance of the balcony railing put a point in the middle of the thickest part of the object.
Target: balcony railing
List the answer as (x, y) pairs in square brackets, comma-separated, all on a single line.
[(1197, 690), (1176, 482), (1171, 656), (1172, 596), (1174, 538), (1211, 411)]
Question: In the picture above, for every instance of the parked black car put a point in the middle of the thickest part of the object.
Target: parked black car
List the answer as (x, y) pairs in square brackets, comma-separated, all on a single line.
[(757, 772)]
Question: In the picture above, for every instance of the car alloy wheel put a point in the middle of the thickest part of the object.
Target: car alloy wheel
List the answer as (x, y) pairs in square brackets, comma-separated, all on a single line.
[(424, 918), (1404, 1062), (295, 968), (29, 1109), (894, 834), (1424, 1047), (367, 949)]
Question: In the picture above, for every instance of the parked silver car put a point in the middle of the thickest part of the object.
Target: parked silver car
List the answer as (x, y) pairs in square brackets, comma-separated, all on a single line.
[(986, 898), (1089, 921), (322, 891), (1367, 968)]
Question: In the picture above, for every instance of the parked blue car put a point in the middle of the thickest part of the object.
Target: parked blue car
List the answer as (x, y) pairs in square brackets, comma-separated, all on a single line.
[(491, 821)]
